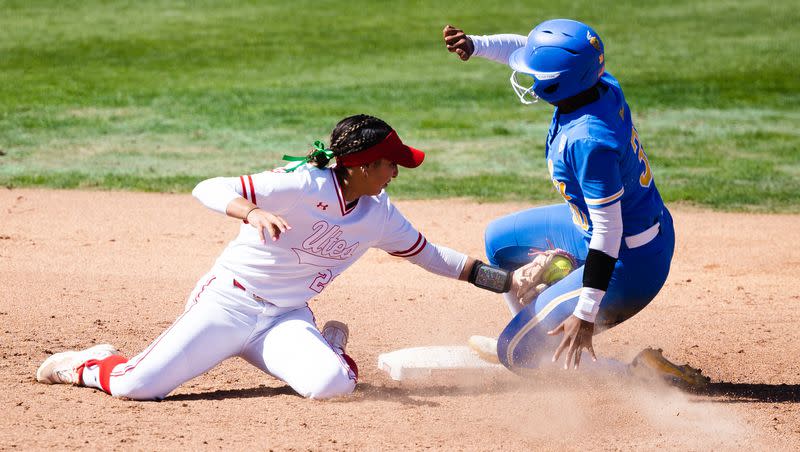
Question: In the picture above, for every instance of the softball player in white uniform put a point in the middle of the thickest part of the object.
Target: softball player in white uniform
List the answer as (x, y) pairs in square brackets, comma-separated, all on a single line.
[(304, 225)]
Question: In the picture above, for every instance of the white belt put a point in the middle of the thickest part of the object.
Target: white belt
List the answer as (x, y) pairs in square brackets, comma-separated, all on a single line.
[(642, 238)]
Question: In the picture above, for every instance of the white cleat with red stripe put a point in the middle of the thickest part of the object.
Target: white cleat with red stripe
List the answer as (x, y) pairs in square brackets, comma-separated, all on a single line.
[(63, 368)]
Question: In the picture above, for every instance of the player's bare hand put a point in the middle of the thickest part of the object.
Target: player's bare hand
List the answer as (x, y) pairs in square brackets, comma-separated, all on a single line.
[(267, 224), (458, 42), (577, 336)]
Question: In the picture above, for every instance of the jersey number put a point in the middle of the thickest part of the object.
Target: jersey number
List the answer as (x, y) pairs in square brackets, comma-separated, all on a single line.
[(578, 217), (646, 176), (321, 281)]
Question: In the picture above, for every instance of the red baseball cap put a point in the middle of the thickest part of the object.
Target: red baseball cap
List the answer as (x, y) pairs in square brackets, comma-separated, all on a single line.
[(390, 148)]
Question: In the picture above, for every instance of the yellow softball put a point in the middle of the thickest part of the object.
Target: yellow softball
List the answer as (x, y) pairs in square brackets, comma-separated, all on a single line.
[(559, 268)]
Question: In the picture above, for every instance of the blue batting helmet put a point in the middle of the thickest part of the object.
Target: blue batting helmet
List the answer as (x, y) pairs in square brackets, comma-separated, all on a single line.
[(565, 57)]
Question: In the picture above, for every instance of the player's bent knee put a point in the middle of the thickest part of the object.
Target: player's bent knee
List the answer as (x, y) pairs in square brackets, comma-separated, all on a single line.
[(518, 350), (521, 356), (328, 383), (342, 385), (334, 389)]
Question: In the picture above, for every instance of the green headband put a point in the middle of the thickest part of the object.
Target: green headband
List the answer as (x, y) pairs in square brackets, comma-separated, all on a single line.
[(319, 148)]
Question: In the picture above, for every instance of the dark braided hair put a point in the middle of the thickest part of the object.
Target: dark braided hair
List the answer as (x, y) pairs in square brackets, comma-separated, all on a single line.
[(353, 134)]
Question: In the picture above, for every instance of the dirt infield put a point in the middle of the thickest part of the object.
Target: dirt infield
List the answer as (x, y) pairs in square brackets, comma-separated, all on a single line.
[(78, 268)]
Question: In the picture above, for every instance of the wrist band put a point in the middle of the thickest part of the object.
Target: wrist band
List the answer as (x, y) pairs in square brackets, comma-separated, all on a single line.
[(490, 278), (248, 214)]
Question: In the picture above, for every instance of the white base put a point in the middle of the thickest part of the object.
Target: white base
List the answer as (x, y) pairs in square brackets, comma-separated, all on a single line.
[(423, 362)]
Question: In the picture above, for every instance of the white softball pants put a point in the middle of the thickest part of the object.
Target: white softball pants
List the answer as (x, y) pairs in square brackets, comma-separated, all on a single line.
[(221, 321)]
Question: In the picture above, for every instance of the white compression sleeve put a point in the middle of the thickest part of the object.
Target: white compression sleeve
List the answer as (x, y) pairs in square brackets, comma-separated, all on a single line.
[(440, 260), (497, 47), (607, 229), (216, 193)]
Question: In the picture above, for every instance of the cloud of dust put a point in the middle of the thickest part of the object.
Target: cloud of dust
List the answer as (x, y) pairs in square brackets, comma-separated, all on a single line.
[(603, 405)]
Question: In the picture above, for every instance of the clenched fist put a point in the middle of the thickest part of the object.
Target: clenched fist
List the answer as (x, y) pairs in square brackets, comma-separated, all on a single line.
[(458, 42)]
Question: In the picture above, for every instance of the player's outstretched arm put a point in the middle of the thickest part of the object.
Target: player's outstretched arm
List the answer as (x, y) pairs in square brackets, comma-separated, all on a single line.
[(444, 261), (401, 239), (497, 47)]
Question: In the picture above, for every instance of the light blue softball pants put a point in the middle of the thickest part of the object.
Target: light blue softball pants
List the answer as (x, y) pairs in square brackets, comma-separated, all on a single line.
[(638, 276)]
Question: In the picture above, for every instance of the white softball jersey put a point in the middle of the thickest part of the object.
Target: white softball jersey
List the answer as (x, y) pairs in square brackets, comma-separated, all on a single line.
[(326, 236)]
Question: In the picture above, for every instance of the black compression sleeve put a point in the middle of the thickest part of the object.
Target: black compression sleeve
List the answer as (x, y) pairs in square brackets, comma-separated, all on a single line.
[(598, 269)]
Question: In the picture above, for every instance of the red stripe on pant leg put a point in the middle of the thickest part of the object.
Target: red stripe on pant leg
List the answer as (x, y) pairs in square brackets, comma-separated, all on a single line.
[(164, 334), (352, 363), (106, 366)]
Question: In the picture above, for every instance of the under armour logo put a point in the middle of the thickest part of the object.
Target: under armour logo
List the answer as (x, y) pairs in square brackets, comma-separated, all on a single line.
[(322, 206)]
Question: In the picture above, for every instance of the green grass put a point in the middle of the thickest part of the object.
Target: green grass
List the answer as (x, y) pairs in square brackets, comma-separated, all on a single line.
[(157, 95)]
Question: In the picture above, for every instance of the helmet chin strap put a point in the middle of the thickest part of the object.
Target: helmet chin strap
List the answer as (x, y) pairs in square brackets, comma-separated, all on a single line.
[(525, 94)]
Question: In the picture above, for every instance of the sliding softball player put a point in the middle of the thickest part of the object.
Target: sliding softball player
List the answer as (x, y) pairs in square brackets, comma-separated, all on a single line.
[(304, 224), (613, 220)]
